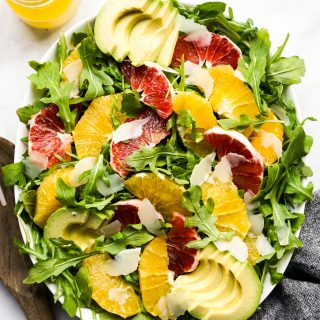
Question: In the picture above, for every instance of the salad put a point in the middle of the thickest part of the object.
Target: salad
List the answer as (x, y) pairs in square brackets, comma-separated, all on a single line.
[(164, 164)]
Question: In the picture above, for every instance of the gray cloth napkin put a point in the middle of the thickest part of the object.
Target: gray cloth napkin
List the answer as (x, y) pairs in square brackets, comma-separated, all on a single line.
[(297, 297)]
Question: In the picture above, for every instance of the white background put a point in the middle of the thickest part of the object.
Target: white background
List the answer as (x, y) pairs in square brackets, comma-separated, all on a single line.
[(20, 43)]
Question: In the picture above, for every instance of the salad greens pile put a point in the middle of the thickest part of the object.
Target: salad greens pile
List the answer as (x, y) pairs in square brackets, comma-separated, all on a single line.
[(282, 189)]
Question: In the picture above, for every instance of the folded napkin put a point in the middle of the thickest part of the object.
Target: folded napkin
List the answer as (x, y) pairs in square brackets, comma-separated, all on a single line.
[(297, 297)]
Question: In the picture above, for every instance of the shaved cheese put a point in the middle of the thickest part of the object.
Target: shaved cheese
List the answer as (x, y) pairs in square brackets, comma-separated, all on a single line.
[(198, 76), (197, 32), (157, 66), (270, 140), (257, 223), (72, 73), (129, 130), (222, 170), (263, 246), (239, 75), (82, 166), (202, 170), (283, 235), (118, 295), (176, 305), (116, 185), (235, 246), (281, 114), (36, 159), (124, 262), (3, 201), (250, 205), (150, 217), (111, 228)]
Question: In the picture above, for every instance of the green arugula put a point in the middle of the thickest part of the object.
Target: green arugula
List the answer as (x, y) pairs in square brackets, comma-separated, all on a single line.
[(186, 120), (48, 77), (203, 219), (62, 50), (131, 104), (14, 173), (25, 113), (92, 79), (254, 69), (132, 235)]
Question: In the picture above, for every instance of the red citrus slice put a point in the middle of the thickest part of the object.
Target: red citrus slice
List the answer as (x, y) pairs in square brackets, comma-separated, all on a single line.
[(246, 163), (47, 137), (127, 212), (220, 51), (152, 133), (153, 84), (181, 258)]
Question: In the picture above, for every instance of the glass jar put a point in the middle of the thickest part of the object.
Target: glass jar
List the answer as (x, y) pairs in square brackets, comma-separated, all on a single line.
[(44, 14)]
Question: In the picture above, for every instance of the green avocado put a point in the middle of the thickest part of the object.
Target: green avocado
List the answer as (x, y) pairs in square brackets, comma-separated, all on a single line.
[(70, 224), (221, 288), (136, 28)]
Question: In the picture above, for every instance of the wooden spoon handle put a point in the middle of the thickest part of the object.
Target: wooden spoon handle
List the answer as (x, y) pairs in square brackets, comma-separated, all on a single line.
[(34, 299)]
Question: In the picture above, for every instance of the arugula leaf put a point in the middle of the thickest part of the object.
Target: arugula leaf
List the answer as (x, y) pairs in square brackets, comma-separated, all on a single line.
[(244, 122), (254, 70), (131, 104), (275, 276), (77, 37), (25, 113), (42, 270), (286, 70), (186, 120), (130, 236), (14, 174), (66, 194), (91, 78), (209, 10), (48, 77), (70, 302), (278, 53), (82, 280), (62, 49), (203, 219), (29, 201)]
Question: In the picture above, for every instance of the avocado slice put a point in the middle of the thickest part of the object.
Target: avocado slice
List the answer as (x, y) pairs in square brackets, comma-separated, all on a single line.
[(77, 225), (221, 288), (148, 36), (113, 12), (165, 56)]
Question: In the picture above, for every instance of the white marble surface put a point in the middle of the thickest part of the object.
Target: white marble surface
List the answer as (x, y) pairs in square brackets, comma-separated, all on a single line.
[(19, 44)]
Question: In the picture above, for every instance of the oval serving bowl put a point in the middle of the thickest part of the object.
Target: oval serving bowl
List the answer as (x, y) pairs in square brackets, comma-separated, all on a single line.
[(22, 131)]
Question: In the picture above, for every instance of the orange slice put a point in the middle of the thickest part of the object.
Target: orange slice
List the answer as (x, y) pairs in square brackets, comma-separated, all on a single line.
[(268, 140), (95, 126), (154, 275), (199, 107), (46, 202), (229, 208), (164, 194), (253, 254), (113, 294)]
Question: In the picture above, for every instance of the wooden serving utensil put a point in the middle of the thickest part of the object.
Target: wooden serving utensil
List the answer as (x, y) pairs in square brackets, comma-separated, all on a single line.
[(34, 299)]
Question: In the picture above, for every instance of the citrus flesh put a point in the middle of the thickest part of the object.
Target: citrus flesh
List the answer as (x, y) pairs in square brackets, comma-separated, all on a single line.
[(229, 207), (253, 254), (71, 58), (46, 202), (267, 150), (164, 194), (198, 106), (95, 126), (154, 275), (113, 294)]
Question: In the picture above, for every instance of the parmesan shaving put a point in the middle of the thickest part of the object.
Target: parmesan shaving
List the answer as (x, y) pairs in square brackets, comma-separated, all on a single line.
[(270, 140), (150, 217), (263, 246), (235, 246), (200, 77), (82, 166), (111, 228), (129, 130), (124, 262), (116, 185), (222, 170), (118, 295), (202, 170)]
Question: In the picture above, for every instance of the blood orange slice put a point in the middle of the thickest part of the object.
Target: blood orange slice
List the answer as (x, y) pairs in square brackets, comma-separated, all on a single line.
[(221, 50), (152, 133), (47, 138), (246, 163), (127, 212), (181, 258), (153, 84)]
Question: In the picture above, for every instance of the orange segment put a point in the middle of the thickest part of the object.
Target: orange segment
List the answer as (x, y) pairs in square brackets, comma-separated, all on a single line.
[(199, 107), (229, 208), (46, 202), (164, 194), (154, 275), (253, 254), (95, 126), (72, 57), (266, 144), (230, 97), (113, 294)]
